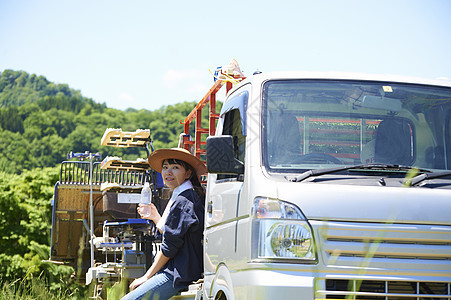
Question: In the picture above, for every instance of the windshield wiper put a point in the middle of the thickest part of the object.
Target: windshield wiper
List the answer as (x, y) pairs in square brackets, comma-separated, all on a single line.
[(421, 177), (318, 172)]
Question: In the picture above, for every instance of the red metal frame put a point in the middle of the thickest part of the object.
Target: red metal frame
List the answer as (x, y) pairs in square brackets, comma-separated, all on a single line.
[(196, 113)]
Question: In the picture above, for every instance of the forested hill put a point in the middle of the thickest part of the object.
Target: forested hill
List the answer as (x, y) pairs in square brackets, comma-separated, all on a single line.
[(40, 122), (18, 88)]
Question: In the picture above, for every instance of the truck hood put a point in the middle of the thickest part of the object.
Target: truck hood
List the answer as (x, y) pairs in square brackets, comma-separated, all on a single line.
[(369, 203)]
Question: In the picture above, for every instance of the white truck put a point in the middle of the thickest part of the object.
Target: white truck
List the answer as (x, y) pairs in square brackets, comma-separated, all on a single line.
[(330, 186), (321, 186)]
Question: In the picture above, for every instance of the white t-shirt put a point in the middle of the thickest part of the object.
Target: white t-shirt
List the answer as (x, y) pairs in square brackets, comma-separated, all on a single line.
[(177, 191)]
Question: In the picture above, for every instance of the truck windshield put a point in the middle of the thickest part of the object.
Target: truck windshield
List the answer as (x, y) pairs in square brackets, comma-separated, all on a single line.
[(316, 124)]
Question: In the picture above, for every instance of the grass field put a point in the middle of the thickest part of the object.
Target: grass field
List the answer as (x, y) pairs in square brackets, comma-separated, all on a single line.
[(37, 288)]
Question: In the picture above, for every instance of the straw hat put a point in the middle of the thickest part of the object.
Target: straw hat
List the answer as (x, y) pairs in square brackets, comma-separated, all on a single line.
[(157, 157)]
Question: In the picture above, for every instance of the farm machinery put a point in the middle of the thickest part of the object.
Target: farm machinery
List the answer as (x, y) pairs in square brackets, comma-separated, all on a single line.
[(95, 225)]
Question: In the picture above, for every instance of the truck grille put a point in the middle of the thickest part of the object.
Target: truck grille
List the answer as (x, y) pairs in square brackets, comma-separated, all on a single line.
[(383, 245), (386, 290), (383, 261)]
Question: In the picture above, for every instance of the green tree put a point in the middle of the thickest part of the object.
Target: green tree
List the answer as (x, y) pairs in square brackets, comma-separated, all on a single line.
[(11, 120), (25, 214), (40, 122)]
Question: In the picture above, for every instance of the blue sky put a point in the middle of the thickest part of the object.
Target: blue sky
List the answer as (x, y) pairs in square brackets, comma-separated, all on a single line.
[(146, 54)]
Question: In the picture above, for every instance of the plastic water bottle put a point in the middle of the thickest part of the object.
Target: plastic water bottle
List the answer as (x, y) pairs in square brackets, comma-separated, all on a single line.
[(146, 194), (146, 198)]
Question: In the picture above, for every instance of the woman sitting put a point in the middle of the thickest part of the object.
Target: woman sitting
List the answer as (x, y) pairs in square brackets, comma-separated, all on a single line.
[(180, 261)]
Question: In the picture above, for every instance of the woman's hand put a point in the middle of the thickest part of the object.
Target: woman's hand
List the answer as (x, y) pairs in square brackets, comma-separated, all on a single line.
[(149, 211), (137, 282), (158, 263)]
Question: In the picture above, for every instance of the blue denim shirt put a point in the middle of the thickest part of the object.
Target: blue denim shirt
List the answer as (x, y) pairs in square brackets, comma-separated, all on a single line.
[(182, 239)]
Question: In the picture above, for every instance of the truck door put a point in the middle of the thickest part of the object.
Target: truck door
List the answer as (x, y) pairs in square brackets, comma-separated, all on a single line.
[(223, 191)]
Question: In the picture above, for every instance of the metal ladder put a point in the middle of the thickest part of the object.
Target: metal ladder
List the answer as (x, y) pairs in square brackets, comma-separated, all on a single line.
[(196, 114)]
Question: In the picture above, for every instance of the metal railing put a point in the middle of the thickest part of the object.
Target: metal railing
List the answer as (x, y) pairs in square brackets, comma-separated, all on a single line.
[(77, 173)]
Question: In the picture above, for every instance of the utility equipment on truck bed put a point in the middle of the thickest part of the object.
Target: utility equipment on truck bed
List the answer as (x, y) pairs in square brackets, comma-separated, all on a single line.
[(121, 244)]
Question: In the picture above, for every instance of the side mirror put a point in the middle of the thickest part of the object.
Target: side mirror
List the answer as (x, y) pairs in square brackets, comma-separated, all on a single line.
[(220, 156)]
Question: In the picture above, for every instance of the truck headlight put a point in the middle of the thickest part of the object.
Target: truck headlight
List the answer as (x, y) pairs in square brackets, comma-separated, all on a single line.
[(280, 231)]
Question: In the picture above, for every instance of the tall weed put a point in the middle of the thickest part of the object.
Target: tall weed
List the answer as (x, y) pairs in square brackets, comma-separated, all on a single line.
[(37, 288)]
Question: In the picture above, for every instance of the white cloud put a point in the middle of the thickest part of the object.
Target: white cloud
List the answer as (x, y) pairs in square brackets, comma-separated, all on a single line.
[(173, 78), (125, 97), (199, 88)]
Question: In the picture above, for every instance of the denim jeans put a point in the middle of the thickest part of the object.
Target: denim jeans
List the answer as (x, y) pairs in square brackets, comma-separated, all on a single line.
[(159, 287)]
